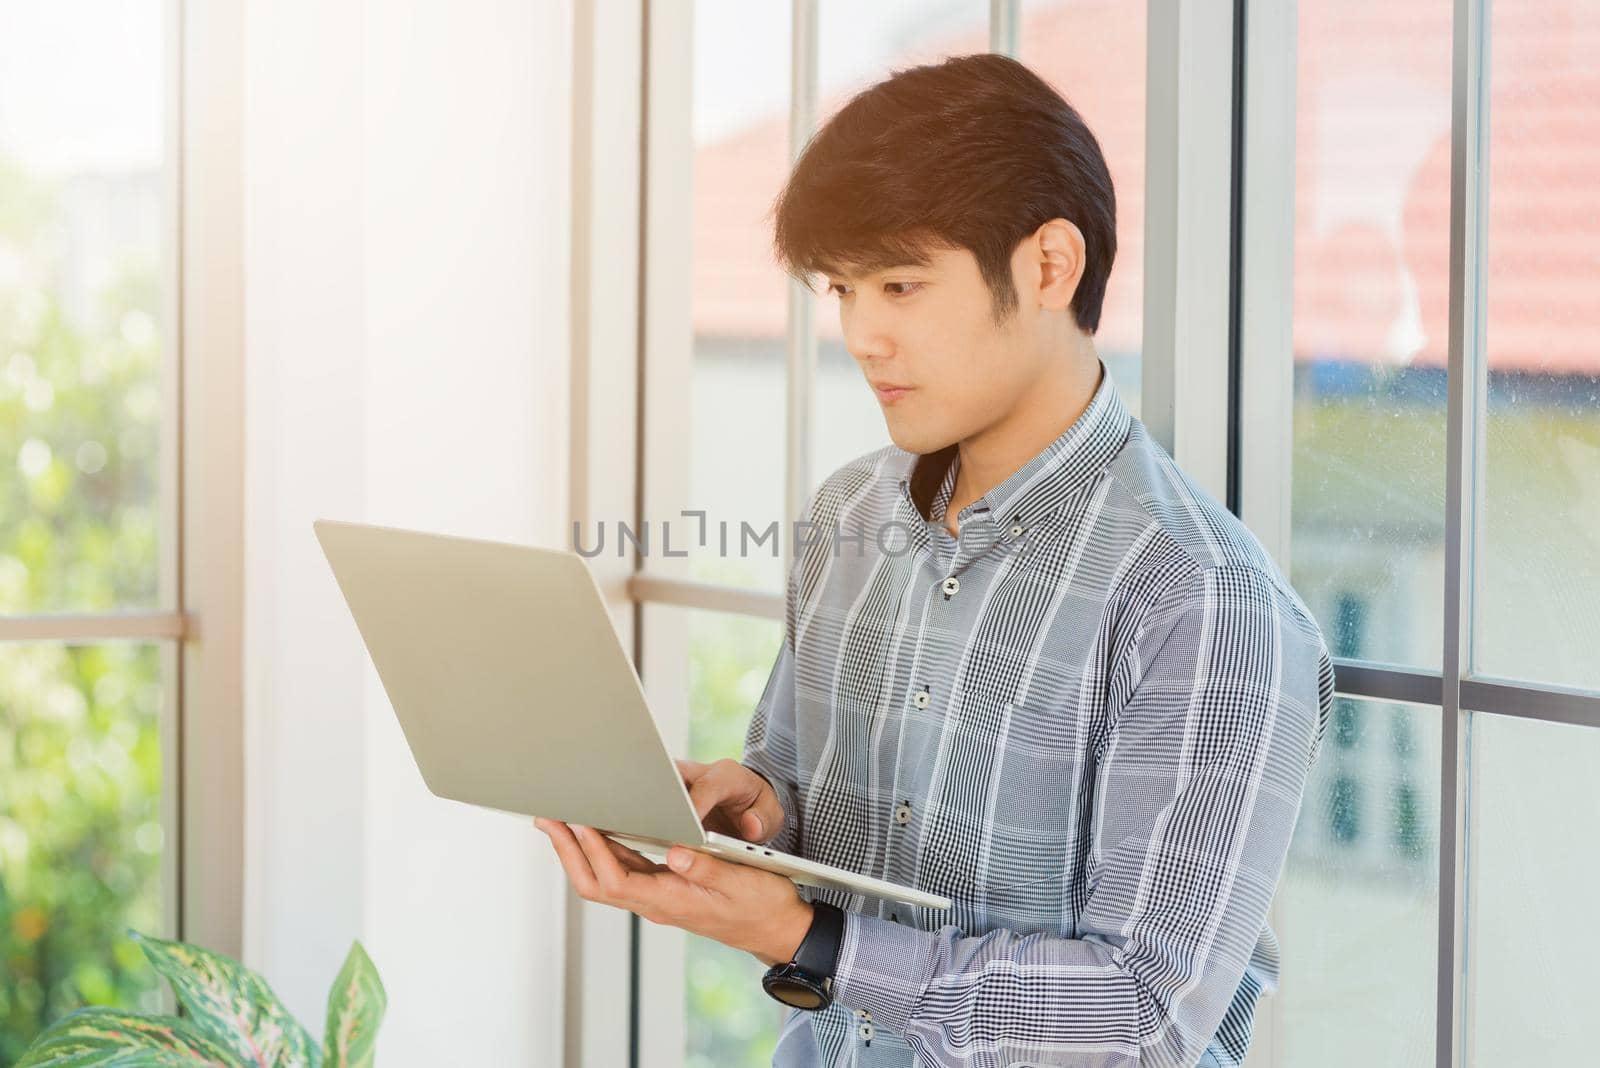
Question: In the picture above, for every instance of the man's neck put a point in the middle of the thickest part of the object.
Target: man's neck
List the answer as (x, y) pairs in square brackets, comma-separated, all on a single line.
[(992, 455)]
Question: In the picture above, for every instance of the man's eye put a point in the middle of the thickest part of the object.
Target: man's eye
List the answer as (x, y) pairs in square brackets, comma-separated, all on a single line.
[(894, 289)]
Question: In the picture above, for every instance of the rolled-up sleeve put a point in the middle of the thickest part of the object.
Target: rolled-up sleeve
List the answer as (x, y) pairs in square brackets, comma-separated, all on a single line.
[(1198, 785)]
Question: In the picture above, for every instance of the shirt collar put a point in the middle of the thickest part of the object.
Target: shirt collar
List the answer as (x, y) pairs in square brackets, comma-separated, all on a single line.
[(1044, 482)]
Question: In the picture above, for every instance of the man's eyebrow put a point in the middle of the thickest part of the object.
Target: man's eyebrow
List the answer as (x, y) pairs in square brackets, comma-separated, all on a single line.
[(845, 276)]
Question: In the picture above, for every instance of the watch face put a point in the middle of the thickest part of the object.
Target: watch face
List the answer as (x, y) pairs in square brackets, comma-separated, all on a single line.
[(801, 997), (793, 988)]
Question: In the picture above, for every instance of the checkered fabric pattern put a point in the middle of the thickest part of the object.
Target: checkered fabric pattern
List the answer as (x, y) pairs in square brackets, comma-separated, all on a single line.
[(1088, 720)]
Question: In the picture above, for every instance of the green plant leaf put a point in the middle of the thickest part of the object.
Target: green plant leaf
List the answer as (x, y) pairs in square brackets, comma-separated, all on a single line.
[(233, 1005), (355, 1008), (108, 1038)]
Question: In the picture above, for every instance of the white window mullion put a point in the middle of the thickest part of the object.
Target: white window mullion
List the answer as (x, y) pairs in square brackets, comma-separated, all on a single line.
[(170, 508), (1464, 421), (667, 370), (801, 348), (1003, 16), (1266, 333), (207, 763), (607, 68), (1188, 189)]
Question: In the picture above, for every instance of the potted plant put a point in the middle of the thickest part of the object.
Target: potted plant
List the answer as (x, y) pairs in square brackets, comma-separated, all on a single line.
[(233, 1020)]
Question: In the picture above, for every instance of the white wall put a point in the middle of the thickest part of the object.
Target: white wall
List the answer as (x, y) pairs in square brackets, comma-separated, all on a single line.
[(406, 262)]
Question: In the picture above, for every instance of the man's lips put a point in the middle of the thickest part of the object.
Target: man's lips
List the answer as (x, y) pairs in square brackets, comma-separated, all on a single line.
[(888, 393)]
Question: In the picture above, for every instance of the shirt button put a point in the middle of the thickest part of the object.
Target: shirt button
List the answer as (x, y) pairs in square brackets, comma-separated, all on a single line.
[(865, 1031), (951, 585), (920, 698), (902, 813), (863, 1013), (1016, 530)]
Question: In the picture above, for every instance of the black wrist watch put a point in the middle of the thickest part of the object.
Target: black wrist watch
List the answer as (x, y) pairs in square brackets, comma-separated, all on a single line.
[(807, 981)]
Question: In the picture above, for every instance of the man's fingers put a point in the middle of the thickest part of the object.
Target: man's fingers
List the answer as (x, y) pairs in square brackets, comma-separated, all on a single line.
[(752, 827), (573, 860), (707, 792), (769, 810), (716, 803), (702, 870), (613, 879), (632, 859), (730, 798), (706, 796)]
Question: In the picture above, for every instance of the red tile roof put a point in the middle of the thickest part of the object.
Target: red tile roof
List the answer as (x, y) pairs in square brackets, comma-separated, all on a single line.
[(1372, 175)]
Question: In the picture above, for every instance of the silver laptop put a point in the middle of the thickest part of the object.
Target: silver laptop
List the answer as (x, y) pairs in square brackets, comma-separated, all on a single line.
[(515, 693)]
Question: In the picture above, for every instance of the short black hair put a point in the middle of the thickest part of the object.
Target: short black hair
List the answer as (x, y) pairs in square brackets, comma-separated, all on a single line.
[(974, 152)]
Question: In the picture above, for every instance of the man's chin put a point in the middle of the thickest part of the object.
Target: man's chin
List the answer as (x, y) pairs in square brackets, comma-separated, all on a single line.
[(919, 443)]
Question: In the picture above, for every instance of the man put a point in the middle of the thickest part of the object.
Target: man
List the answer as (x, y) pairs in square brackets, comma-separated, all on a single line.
[(1067, 689)]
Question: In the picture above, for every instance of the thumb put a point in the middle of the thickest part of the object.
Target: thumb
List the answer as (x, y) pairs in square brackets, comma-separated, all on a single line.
[(695, 867), (755, 829)]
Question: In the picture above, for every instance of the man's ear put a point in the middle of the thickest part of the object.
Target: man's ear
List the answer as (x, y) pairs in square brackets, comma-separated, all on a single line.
[(1060, 250)]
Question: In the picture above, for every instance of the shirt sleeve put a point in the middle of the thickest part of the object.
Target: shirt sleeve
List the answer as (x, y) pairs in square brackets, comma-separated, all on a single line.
[(1197, 791)]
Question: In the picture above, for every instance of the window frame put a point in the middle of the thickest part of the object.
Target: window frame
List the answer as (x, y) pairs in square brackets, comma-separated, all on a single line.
[(1456, 692), (202, 472), (1191, 65), (1218, 73)]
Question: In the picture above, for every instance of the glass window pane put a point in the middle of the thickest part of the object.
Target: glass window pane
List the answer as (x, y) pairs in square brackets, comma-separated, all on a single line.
[(1093, 52), (731, 1022), (857, 45), (1371, 291), (1358, 904), (1533, 867), (81, 836), (82, 236), (1537, 614), (1099, 73), (741, 138)]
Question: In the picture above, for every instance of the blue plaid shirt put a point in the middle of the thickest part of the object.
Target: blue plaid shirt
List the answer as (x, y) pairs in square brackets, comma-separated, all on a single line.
[(1088, 720)]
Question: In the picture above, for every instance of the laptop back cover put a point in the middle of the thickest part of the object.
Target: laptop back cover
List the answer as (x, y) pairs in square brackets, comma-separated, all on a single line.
[(509, 681)]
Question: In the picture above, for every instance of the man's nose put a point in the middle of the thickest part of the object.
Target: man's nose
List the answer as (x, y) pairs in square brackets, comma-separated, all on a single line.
[(866, 336)]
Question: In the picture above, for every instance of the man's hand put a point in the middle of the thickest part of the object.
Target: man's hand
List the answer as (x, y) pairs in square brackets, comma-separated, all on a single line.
[(730, 798), (746, 908)]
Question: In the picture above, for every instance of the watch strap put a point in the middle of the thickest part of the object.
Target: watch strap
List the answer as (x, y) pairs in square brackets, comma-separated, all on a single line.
[(818, 954)]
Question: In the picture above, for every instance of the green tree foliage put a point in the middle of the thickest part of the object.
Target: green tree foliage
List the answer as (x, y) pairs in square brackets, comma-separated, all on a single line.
[(80, 754), (732, 1023)]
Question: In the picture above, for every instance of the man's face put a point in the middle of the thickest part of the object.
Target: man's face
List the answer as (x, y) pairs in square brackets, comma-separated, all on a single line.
[(931, 331)]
